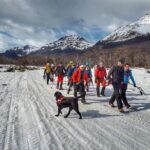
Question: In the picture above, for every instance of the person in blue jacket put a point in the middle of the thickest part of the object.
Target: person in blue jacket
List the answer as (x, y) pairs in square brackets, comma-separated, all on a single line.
[(69, 75), (127, 76)]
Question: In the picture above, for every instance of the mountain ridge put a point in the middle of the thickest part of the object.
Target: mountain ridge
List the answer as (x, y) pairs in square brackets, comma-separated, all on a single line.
[(69, 44)]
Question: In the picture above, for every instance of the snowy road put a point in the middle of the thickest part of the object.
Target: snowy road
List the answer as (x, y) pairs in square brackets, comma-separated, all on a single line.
[(28, 122)]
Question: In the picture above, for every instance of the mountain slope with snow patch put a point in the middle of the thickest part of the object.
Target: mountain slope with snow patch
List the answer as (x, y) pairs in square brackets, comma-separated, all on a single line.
[(21, 51), (133, 30), (71, 41), (66, 44)]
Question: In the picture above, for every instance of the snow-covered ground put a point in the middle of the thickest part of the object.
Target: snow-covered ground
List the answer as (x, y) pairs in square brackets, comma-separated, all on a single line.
[(28, 122)]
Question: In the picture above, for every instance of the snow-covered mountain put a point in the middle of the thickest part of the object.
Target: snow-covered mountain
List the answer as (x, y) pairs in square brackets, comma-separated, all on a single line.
[(133, 30), (66, 44), (71, 41), (21, 51)]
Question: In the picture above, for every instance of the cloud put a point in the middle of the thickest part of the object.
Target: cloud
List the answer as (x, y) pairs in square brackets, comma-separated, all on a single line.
[(13, 34), (55, 13), (111, 27), (40, 21), (71, 32)]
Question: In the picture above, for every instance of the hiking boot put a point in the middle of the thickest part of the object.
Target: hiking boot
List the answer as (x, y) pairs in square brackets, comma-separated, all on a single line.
[(97, 91), (61, 87), (57, 87), (102, 94), (83, 100), (68, 91), (111, 105), (103, 91), (128, 106), (121, 110)]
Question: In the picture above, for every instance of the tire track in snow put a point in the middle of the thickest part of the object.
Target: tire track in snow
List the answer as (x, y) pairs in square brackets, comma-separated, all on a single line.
[(9, 138), (60, 126), (4, 110), (41, 119), (32, 124), (5, 89), (85, 137), (127, 123), (124, 134), (28, 134), (142, 122), (64, 120)]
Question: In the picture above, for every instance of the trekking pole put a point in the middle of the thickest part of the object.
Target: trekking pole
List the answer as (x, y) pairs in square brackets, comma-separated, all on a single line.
[(66, 93), (92, 82), (44, 76), (65, 82), (139, 88), (68, 89), (52, 84), (52, 81)]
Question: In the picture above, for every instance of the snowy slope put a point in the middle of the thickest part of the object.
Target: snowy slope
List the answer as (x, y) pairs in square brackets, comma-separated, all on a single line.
[(29, 48), (71, 41), (28, 122), (138, 28)]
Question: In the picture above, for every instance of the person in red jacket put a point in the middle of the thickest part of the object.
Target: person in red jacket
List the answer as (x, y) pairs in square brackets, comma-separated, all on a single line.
[(100, 75), (80, 79), (60, 73)]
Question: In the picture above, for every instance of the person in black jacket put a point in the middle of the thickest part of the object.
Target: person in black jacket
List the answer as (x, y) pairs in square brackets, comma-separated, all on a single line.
[(116, 74), (60, 73), (127, 76)]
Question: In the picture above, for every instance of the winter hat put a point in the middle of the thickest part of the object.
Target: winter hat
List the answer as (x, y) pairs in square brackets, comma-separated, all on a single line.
[(71, 62), (82, 66), (120, 63), (101, 63)]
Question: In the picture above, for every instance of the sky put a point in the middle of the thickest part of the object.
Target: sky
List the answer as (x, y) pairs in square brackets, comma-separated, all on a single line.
[(38, 22)]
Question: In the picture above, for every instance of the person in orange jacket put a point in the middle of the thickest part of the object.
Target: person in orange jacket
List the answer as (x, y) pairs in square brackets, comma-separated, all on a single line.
[(80, 79), (100, 75)]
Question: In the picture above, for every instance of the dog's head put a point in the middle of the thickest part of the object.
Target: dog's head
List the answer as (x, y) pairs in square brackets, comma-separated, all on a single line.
[(57, 95)]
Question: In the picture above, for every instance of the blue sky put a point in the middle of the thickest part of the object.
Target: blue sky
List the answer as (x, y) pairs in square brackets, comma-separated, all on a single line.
[(38, 22)]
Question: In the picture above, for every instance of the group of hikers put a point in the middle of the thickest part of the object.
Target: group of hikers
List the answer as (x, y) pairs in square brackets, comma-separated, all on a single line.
[(81, 76)]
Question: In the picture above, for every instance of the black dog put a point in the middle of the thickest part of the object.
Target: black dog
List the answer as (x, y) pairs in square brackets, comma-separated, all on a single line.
[(63, 102)]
